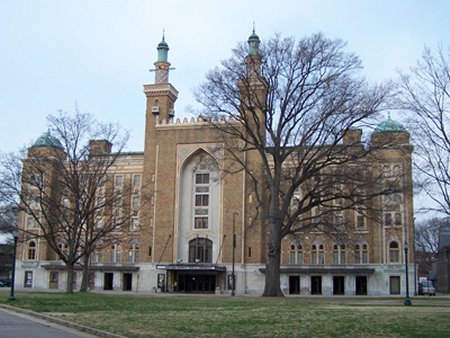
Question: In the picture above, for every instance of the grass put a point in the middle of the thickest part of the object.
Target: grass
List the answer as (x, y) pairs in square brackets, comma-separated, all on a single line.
[(210, 316)]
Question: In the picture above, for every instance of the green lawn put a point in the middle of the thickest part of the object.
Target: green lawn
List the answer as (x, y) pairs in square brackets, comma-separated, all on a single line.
[(211, 316)]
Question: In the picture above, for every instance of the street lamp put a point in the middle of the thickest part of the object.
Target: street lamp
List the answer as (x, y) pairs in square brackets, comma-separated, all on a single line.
[(233, 276), (407, 300), (15, 234)]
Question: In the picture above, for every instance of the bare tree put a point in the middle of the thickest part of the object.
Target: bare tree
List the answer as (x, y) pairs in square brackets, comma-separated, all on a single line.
[(8, 219), (427, 235), (425, 97), (65, 191), (290, 115)]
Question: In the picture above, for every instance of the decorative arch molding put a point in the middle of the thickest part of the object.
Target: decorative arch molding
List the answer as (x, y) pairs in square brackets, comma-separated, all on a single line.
[(361, 242), (186, 151), (317, 242), (198, 197)]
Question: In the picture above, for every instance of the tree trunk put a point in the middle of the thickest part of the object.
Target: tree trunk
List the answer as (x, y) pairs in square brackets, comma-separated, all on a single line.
[(85, 278), (272, 279), (69, 285)]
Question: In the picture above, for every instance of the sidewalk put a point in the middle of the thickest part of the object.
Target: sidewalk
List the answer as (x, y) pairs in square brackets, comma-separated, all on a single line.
[(15, 322)]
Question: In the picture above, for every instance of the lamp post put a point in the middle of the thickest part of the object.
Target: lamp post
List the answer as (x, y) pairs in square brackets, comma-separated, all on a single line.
[(233, 276), (16, 237), (407, 300)]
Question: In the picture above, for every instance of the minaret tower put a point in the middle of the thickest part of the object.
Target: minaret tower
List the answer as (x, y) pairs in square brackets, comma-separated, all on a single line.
[(161, 95), (253, 87)]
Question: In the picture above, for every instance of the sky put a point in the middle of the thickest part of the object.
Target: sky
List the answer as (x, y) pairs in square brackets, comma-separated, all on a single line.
[(96, 54)]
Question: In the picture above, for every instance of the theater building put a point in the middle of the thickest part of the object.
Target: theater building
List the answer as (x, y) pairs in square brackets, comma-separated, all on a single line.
[(182, 240)]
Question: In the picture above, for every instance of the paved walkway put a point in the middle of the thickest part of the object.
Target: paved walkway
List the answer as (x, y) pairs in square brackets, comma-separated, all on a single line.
[(17, 325)]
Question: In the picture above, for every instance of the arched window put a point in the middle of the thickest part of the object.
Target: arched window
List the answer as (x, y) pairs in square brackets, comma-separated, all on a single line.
[(133, 252), (365, 254), (97, 256), (200, 250), (317, 254), (31, 252), (361, 253), (339, 256), (64, 248), (394, 252), (295, 253), (115, 253)]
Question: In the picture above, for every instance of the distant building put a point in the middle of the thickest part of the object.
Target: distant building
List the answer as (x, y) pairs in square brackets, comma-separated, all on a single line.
[(183, 238), (6, 260), (443, 260)]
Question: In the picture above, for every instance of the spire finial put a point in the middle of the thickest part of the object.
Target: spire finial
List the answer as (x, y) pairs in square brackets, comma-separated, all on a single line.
[(164, 34), (253, 27)]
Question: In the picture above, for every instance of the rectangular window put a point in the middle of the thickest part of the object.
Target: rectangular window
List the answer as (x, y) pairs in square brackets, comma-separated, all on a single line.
[(343, 260), (398, 218), (136, 202), (388, 218), (339, 221), (136, 181), (249, 252), (394, 256), (201, 223), (292, 257), (119, 181), (150, 251), (30, 222), (134, 224), (335, 257), (202, 178), (357, 256), (321, 257), (365, 257), (360, 221), (201, 200)]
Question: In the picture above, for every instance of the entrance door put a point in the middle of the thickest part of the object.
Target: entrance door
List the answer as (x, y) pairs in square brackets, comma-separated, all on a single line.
[(197, 283), (361, 285), (108, 281), (127, 281), (316, 285), (28, 283), (294, 285), (54, 279), (394, 285), (338, 285)]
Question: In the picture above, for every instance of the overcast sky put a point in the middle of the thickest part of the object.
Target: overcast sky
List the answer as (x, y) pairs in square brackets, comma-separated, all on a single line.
[(97, 54)]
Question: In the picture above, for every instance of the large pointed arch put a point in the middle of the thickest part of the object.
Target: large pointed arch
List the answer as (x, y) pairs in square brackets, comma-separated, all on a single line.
[(198, 201)]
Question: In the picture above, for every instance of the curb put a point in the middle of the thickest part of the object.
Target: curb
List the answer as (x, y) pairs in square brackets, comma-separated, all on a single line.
[(62, 322)]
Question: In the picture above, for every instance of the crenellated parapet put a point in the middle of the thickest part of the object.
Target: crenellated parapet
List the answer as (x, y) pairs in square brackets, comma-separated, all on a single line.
[(194, 122)]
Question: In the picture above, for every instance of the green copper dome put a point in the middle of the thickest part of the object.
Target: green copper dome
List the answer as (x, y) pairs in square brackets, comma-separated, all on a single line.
[(49, 141), (163, 50), (390, 125), (253, 43)]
